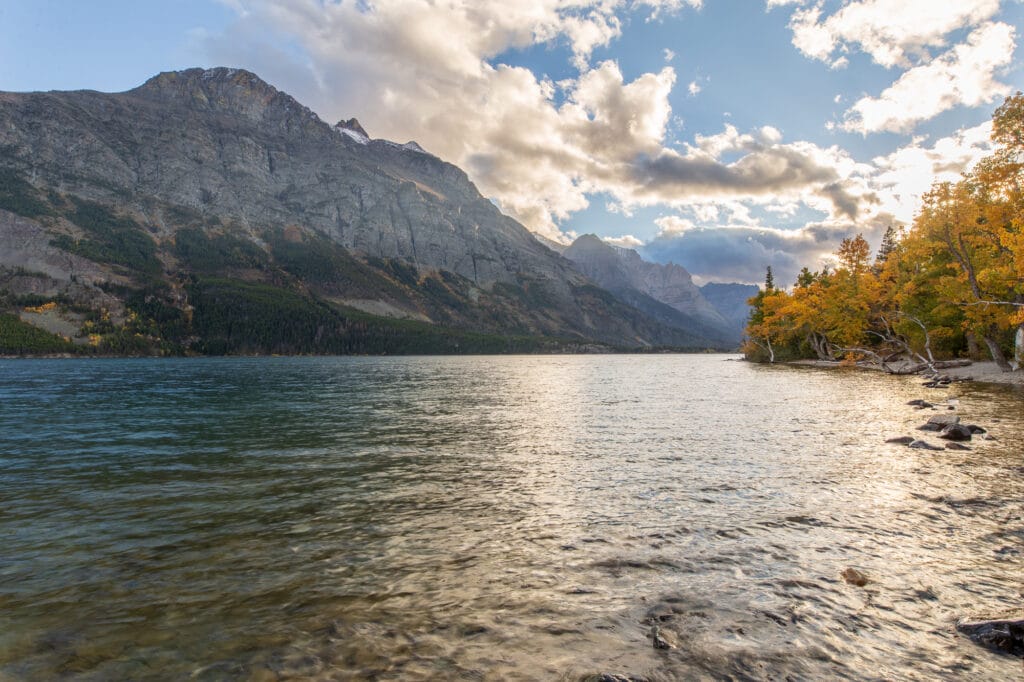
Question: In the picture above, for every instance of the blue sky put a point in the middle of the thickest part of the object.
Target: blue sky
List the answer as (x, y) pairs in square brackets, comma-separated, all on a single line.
[(725, 135)]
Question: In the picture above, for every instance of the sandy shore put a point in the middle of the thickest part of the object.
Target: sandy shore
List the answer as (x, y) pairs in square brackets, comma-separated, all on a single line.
[(987, 372)]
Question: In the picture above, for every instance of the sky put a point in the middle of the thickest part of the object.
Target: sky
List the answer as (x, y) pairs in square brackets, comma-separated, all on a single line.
[(723, 135)]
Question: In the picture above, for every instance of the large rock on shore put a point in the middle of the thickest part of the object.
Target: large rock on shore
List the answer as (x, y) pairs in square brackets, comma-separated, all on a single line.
[(1004, 636)]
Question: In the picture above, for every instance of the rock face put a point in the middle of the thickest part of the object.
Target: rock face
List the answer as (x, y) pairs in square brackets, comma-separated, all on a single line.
[(222, 152), (645, 285), (225, 143)]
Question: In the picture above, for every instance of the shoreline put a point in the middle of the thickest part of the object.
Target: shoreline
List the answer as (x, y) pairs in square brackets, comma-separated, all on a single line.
[(986, 372)]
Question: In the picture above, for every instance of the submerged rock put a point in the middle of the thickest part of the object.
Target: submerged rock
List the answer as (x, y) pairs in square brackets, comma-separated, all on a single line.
[(612, 677), (944, 419), (901, 440), (923, 445), (855, 577), (956, 432), (929, 427), (975, 429), (663, 639), (1004, 636), (956, 446)]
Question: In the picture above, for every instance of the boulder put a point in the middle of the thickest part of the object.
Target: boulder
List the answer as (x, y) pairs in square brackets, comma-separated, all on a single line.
[(944, 419), (1004, 636), (975, 429), (955, 432)]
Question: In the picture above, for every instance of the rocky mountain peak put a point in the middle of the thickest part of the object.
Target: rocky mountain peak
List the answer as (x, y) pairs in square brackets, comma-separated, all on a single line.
[(590, 247), (225, 90), (353, 125), (353, 130)]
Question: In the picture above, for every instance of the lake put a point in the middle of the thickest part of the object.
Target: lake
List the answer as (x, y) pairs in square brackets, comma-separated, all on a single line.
[(530, 517)]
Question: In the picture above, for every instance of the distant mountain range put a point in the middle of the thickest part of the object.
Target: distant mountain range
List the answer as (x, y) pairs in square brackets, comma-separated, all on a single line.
[(205, 211)]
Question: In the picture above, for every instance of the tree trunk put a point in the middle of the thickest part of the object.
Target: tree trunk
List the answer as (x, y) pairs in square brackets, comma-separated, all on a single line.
[(820, 346), (973, 350), (1018, 348), (996, 351)]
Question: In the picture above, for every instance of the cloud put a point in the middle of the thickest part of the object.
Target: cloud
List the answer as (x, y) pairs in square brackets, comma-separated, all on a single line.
[(963, 76), (669, 6), (905, 174), (893, 32), (736, 254), (912, 35), (626, 241), (722, 240), (740, 253), (766, 171), (693, 88)]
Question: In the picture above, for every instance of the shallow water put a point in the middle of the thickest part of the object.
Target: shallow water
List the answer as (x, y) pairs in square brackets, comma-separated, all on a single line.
[(496, 518)]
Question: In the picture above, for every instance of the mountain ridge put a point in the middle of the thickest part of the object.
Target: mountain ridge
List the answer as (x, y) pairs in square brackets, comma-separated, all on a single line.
[(205, 175), (652, 287)]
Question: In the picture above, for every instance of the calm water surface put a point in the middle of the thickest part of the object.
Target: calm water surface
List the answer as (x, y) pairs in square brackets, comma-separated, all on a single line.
[(496, 518)]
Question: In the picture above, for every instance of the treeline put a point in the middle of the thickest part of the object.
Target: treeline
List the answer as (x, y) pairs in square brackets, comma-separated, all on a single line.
[(952, 285), (21, 338)]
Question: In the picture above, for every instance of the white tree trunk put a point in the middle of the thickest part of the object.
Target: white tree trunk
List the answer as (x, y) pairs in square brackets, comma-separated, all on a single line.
[(1018, 348)]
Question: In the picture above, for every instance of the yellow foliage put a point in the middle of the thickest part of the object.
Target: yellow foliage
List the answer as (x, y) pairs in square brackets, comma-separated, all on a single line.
[(958, 272), (41, 308)]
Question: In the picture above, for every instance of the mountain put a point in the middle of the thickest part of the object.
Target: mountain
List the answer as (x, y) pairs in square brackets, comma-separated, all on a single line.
[(731, 301), (665, 292), (207, 211)]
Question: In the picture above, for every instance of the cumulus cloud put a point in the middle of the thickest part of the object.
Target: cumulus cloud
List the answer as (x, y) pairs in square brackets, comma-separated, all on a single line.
[(766, 171), (965, 75), (723, 241), (626, 241), (893, 32), (905, 174), (914, 36)]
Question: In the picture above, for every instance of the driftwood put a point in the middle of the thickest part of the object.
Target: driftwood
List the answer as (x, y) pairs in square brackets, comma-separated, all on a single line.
[(922, 366)]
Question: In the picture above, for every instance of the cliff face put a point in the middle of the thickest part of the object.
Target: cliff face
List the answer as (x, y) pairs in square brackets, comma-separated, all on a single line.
[(207, 174), (624, 272), (225, 143)]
